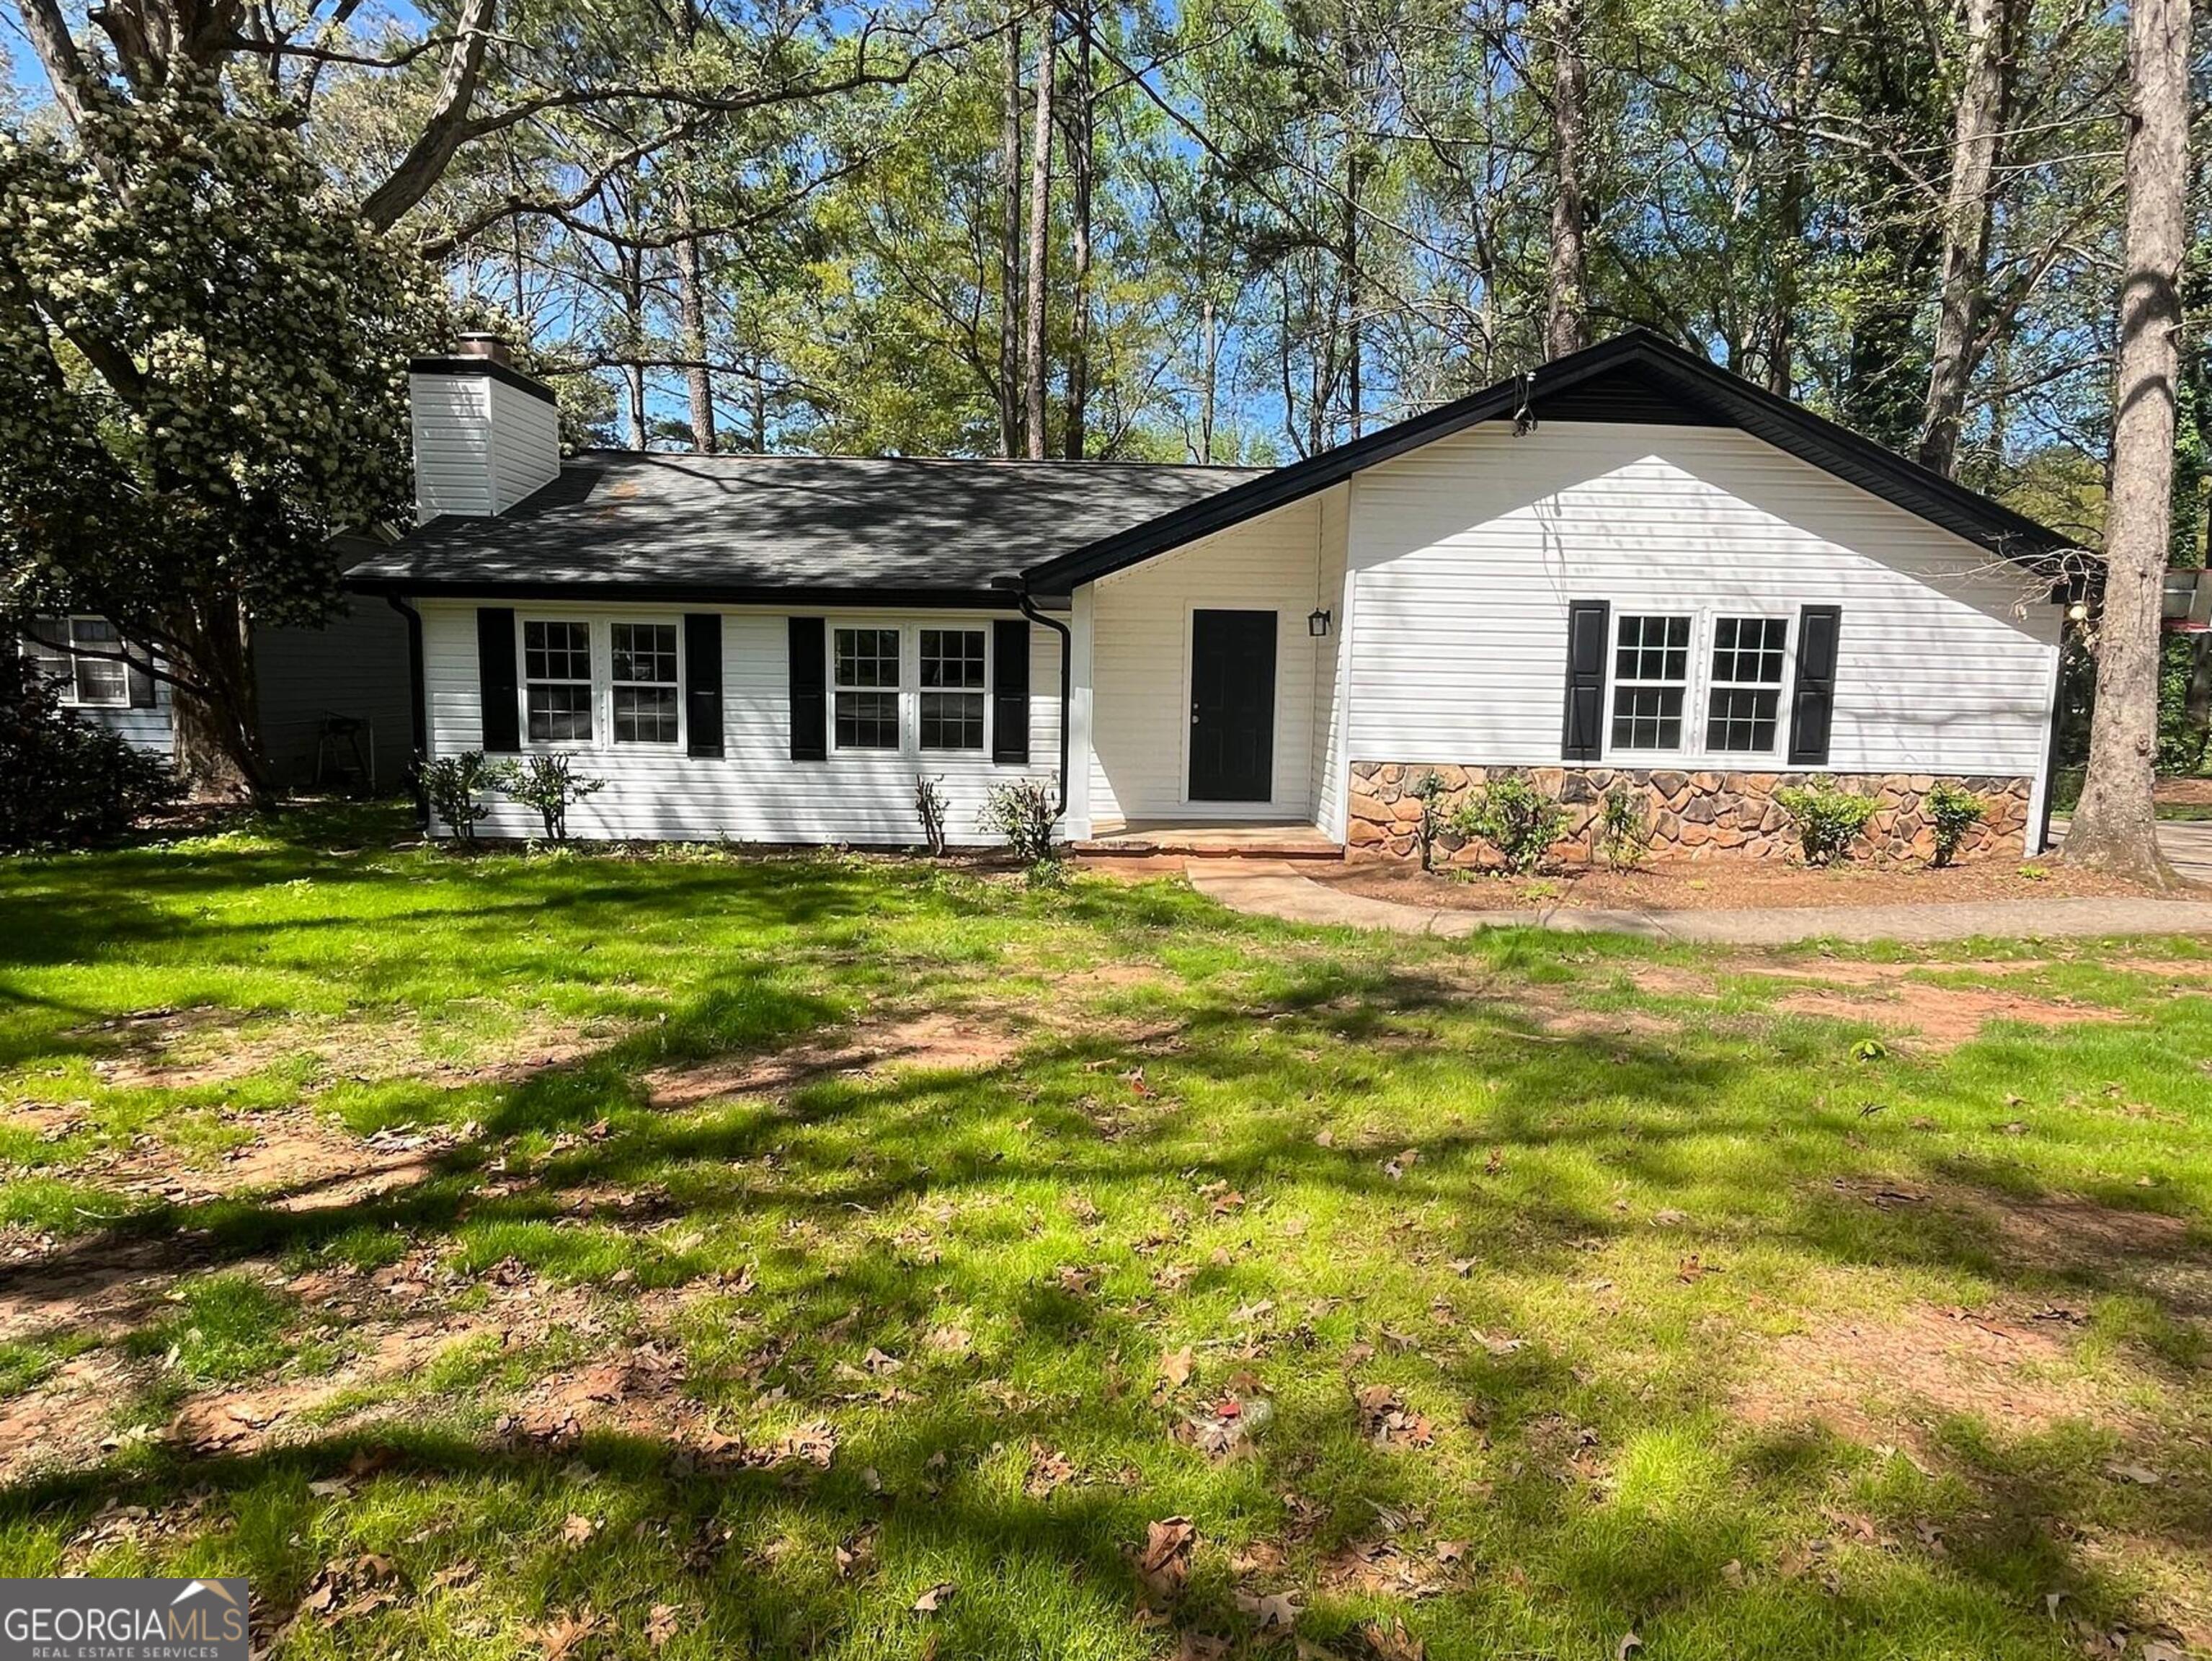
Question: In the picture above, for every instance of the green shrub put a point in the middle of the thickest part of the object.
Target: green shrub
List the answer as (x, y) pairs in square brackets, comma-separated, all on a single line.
[(455, 785), (1827, 820), (1621, 835), (1515, 818), (68, 783), (1022, 814), (550, 785), (1429, 791), (1952, 812)]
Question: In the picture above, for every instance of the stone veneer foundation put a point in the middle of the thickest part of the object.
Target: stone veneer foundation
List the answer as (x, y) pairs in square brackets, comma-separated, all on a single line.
[(1691, 815)]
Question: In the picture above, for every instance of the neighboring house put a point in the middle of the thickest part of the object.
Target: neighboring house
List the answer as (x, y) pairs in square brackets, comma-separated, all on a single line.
[(334, 700), (1629, 567)]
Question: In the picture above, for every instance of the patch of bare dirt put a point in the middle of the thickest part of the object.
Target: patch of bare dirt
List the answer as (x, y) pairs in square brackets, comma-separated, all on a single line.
[(2067, 1230), (936, 1040), (1719, 884), (176, 1048), (1943, 1017), (94, 1286), (1876, 1378)]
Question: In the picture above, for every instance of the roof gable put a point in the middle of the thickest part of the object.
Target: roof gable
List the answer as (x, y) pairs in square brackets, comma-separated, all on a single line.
[(1633, 377)]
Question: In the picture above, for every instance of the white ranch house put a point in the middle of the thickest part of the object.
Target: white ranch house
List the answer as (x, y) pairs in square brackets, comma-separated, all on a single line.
[(1628, 566)]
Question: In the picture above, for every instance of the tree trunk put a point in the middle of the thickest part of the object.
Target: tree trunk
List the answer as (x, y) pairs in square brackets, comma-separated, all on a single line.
[(216, 711), (1566, 322), (1778, 340), (1969, 205), (691, 317), (1209, 371), (1353, 173), (1036, 363), (634, 386), (2115, 827), (1080, 134), (1010, 247)]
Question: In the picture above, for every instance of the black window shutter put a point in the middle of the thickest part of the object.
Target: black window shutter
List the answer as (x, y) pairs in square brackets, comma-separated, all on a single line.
[(1584, 736), (809, 700), (1812, 705), (1010, 690), (495, 682), (702, 682), (140, 676)]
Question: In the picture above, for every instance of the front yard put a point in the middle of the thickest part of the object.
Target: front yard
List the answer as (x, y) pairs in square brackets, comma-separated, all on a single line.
[(579, 1256)]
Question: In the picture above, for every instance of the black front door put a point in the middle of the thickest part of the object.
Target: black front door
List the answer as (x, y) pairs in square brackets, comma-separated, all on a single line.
[(1232, 705)]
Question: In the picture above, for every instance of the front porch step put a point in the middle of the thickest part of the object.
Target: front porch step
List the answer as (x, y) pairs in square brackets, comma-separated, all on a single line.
[(1211, 842)]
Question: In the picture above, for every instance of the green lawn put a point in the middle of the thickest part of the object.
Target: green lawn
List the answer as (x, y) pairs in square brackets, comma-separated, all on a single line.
[(584, 1256)]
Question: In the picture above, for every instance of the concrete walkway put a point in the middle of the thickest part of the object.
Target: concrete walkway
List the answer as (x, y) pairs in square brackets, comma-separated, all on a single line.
[(1276, 888)]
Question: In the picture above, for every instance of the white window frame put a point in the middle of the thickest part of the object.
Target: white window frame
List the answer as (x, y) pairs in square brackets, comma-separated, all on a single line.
[(909, 689), (1616, 682), (982, 691), (1779, 687), (901, 716), (72, 683), (590, 682), (614, 739)]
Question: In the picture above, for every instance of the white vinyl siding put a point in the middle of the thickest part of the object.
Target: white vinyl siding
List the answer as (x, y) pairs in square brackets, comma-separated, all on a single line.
[(755, 791), (526, 443), (1140, 667), (481, 445), (451, 419), (1332, 592), (1466, 553)]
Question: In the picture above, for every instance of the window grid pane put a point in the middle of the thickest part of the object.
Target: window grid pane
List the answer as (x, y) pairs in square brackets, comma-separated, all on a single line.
[(951, 721), (1651, 673), (556, 672), (1647, 718), (1742, 718), (1747, 651), (1748, 660), (867, 658), (952, 658), (644, 653), (644, 677), (867, 721)]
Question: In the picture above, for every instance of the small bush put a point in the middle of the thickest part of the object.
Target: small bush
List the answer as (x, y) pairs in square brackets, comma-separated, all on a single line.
[(1021, 815), (1620, 834), (66, 783), (1429, 791), (1513, 816), (455, 786), (1827, 820), (1952, 812), (550, 785), (929, 805)]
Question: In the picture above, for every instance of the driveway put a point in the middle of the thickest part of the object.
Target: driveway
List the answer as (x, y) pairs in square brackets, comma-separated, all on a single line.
[(2187, 843)]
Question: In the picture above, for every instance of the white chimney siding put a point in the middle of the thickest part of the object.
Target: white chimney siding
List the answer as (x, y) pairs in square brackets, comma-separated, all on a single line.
[(482, 443)]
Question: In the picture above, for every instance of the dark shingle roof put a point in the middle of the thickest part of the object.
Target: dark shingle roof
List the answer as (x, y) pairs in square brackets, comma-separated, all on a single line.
[(667, 526)]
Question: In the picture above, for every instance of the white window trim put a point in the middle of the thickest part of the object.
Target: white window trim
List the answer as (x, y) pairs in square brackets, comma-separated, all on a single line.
[(615, 740), (1780, 687), (1615, 682), (909, 631), (964, 627), (1693, 753), (72, 697), (596, 682)]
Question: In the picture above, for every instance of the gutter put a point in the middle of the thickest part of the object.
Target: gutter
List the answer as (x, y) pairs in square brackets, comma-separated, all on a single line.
[(416, 711), (1029, 609)]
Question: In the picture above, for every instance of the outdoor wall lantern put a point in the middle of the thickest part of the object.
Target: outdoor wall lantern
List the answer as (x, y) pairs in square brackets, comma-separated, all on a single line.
[(1317, 623)]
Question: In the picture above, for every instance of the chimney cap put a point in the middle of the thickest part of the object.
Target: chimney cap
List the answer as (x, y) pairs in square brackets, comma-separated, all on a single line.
[(481, 343)]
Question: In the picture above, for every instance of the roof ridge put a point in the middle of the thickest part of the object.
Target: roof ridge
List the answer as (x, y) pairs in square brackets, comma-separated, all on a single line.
[(616, 453)]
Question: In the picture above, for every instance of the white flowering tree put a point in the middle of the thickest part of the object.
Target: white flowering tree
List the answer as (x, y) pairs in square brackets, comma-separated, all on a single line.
[(203, 378)]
